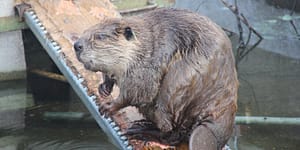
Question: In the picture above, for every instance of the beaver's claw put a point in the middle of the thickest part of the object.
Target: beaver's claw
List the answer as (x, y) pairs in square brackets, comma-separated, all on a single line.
[(104, 90), (108, 108), (106, 87)]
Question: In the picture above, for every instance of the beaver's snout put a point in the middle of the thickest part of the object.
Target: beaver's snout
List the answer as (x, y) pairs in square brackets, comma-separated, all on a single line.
[(78, 47)]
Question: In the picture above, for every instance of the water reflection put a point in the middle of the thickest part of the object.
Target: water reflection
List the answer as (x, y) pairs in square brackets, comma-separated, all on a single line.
[(13, 101), (23, 125)]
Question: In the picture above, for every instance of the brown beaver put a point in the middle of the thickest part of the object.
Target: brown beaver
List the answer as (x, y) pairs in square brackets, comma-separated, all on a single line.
[(175, 66)]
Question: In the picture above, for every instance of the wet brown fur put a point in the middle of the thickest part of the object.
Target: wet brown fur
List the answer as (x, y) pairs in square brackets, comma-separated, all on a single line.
[(177, 69)]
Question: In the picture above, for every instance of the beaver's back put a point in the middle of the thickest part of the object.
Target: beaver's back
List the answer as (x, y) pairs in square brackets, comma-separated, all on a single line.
[(173, 30), (199, 81)]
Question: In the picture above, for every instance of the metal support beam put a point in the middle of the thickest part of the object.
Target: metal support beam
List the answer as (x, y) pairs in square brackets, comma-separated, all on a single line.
[(267, 120), (11, 24)]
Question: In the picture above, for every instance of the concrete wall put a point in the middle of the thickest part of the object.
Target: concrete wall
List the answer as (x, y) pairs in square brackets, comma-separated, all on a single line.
[(6, 8), (13, 94), (12, 60)]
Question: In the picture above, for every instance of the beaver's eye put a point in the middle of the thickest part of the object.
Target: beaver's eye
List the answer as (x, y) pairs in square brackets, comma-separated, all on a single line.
[(128, 33), (100, 36)]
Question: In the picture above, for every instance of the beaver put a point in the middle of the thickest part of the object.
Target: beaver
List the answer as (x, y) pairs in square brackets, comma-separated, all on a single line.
[(175, 66)]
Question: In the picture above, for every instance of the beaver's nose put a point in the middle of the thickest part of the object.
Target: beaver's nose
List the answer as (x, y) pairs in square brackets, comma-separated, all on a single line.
[(78, 47)]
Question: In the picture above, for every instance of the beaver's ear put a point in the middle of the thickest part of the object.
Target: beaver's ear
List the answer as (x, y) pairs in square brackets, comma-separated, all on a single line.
[(129, 34)]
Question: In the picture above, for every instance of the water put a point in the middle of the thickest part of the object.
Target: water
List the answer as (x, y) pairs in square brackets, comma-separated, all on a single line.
[(24, 126), (266, 137)]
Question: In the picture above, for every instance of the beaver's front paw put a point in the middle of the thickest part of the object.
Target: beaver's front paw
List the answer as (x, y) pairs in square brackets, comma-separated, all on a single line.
[(104, 90), (108, 108), (163, 121), (106, 87)]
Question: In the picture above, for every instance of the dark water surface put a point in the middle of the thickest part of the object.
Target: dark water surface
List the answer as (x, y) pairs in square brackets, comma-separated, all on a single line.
[(24, 125)]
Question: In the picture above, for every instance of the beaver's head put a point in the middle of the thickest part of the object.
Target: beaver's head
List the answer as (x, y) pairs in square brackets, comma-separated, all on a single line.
[(108, 47)]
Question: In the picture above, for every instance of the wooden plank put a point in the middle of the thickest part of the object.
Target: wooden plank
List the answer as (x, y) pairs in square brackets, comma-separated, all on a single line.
[(11, 23)]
